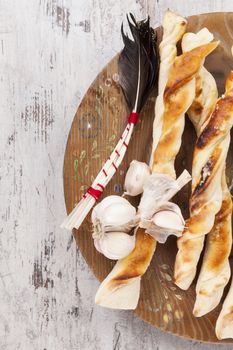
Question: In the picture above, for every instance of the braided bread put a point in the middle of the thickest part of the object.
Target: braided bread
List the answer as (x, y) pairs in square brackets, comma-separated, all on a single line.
[(206, 199)]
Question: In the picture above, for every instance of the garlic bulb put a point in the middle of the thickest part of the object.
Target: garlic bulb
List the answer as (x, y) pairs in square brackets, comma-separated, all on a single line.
[(115, 245), (113, 213), (168, 220), (136, 176), (112, 218)]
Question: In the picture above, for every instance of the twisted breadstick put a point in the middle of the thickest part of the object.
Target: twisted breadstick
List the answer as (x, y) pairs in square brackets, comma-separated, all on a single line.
[(206, 200), (224, 325), (215, 271), (205, 100), (177, 98), (174, 27), (206, 93), (121, 288)]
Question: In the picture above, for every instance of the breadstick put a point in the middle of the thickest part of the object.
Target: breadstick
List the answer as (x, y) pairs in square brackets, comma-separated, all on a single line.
[(174, 27), (178, 96), (224, 325), (206, 200), (215, 271)]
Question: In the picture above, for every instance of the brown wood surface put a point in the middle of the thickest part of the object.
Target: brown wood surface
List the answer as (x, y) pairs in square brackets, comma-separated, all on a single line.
[(97, 125)]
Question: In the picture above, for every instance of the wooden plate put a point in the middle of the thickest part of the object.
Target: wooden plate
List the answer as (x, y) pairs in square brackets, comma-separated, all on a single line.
[(96, 127)]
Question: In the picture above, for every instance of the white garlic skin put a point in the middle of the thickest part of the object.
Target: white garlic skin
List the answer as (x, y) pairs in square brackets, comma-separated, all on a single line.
[(104, 204), (135, 178), (114, 211), (168, 219), (115, 245)]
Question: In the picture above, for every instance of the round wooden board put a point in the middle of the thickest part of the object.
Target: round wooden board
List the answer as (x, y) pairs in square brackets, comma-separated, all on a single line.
[(96, 127)]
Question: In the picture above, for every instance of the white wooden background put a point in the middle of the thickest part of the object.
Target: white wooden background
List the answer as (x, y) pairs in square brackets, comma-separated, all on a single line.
[(50, 52)]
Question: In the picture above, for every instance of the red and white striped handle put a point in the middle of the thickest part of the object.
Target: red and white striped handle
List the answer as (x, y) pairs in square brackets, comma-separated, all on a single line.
[(94, 192), (111, 165)]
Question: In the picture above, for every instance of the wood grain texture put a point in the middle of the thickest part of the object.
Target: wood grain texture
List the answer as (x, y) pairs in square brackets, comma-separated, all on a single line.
[(50, 52)]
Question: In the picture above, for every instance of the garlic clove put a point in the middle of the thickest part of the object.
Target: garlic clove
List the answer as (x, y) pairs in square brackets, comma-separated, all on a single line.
[(105, 203), (114, 213), (117, 214), (114, 210), (155, 193), (168, 219), (158, 189), (97, 245), (136, 176), (115, 245)]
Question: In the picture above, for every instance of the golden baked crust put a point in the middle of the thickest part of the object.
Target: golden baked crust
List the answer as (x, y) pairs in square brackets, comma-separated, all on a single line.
[(136, 263), (219, 238), (178, 96), (207, 195), (215, 270), (185, 67), (224, 324)]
